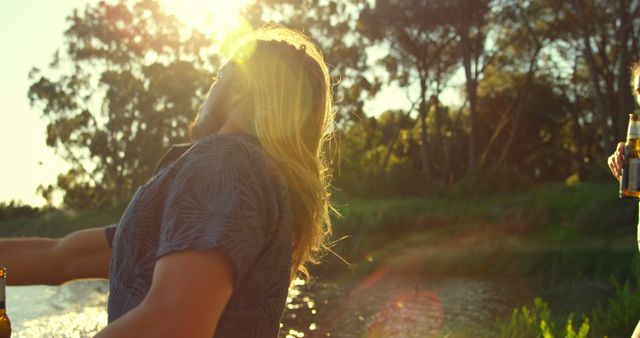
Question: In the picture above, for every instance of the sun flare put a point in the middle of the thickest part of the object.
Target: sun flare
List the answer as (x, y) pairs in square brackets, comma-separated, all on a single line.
[(217, 17)]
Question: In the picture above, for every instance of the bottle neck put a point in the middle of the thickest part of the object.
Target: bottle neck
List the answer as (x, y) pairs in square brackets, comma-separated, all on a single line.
[(3, 303), (633, 132)]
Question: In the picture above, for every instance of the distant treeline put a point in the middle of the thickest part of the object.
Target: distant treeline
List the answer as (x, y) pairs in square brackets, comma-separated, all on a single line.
[(14, 210), (544, 85)]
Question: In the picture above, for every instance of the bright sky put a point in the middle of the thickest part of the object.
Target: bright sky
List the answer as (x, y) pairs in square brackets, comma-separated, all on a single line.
[(31, 31)]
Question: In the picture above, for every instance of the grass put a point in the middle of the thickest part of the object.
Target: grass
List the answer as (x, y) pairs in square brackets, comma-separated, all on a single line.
[(551, 230), (554, 206), (567, 241), (553, 213), (555, 234), (585, 224), (561, 198)]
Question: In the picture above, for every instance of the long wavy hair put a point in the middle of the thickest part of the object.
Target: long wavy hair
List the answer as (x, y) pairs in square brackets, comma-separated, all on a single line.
[(290, 103)]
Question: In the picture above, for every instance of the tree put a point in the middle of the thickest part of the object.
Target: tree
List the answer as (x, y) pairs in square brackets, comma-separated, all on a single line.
[(128, 80), (125, 86), (607, 37), (420, 51), (469, 18)]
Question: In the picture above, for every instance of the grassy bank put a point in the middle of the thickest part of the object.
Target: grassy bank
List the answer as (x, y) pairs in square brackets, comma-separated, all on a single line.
[(580, 229), (559, 212), (555, 229), (584, 227), (569, 241)]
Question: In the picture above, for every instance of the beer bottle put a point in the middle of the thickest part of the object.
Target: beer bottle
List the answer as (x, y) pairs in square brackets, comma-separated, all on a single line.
[(5, 323), (630, 182)]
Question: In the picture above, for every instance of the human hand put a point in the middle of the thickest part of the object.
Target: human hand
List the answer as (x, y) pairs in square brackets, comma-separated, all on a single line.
[(616, 161)]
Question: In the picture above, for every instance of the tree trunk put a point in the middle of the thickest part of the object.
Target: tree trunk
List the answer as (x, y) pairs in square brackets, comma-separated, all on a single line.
[(392, 143), (625, 103), (390, 146), (578, 138), (443, 164), (577, 135), (424, 154), (471, 92), (439, 140), (593, 73), (520, 105)]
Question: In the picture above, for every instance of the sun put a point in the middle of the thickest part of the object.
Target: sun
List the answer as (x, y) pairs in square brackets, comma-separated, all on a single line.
[(216, 17)]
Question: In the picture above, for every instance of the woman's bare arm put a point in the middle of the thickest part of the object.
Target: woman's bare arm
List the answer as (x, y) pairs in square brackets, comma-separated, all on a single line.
[(81, 254), (188, 294)]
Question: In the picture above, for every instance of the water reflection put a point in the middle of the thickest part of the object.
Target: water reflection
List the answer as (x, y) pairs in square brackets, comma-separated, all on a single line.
[(72, 310), (386, 304), (400, 306), (71, 324)]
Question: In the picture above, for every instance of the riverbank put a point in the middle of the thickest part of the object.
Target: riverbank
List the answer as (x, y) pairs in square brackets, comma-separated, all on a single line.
[(583, 229), (562, 243), (472, 277)]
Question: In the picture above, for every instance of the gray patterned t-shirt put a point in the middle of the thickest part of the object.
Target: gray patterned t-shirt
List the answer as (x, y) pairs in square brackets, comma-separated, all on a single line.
[(223, 192)]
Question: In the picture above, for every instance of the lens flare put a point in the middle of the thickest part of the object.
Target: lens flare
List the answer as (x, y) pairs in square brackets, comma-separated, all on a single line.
[(411, 313), (374, 277)]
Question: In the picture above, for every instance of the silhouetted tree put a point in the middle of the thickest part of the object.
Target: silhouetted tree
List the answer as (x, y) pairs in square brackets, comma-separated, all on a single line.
[(126, 85)]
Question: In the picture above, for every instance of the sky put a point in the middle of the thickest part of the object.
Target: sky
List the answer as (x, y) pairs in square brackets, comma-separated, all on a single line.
[(31, 31)]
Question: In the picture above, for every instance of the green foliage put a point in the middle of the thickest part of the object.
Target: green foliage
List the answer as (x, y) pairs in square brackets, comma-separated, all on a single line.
[(547, 215), (374, 160), (534, 108), (539, 152), (13, 210), (619, 316), (123, 88), (537, 321), (492, 180), (607, 214), (616, 318), (537, 105), (534, 124)]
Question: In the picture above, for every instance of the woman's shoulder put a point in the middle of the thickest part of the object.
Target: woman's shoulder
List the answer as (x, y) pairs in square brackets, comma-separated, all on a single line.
[(235, 151)]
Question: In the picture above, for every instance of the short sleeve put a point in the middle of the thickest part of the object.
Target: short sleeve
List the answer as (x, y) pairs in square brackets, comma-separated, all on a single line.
[(110, 231), (217, 200)]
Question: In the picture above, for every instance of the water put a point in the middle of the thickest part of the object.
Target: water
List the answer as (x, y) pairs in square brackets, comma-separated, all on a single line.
[(75, 309), (384, 305), (403, 306)]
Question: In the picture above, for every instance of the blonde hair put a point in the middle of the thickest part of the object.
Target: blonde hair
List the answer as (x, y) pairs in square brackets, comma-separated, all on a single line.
[(291, 101)]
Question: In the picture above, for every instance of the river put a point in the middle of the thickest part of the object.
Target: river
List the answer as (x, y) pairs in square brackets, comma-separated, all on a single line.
[(75, 309), (383, 305)]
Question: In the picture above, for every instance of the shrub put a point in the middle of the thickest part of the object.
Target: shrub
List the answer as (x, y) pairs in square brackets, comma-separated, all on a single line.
[(620, 316), (537, 322), (14, 210), (608, 215), (492, 180)]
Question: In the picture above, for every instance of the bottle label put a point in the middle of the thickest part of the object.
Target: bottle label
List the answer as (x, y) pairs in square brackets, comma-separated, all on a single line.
[(634, 130), (634, 175)]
